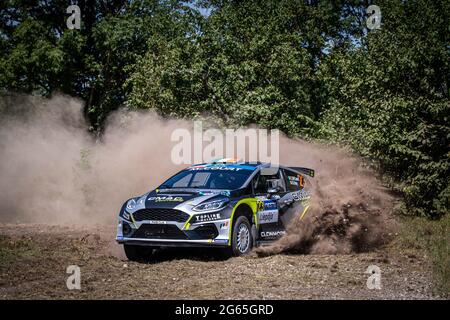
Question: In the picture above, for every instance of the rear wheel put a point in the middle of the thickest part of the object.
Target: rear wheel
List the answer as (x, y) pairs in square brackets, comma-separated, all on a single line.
[(242, 239), (137, 253)]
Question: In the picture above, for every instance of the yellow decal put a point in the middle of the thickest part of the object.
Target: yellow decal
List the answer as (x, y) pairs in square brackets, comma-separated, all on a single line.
[(132, 219), (304, 212), (187, 224), (259, 205), (253, 204)]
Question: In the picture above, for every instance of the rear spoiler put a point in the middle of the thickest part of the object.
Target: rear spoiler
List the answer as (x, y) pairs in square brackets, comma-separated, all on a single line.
[(307, 171)]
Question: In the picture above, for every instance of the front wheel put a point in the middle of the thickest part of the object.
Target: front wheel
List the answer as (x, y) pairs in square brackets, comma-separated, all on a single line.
[(242, 239), (137, 253)]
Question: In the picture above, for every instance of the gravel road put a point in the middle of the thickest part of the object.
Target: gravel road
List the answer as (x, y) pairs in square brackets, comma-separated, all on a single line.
[(34, 258)]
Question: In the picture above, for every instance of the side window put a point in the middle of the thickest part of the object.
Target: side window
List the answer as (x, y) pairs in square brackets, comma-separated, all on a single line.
[(281, 181), (261, 183), (294, 181)]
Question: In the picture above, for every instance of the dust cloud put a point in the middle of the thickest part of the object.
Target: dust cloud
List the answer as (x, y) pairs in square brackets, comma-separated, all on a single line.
[(350, 210), (53, 171)]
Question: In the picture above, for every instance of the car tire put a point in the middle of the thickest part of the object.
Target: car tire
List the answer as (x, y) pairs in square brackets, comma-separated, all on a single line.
[(137, 253), (242, 239)]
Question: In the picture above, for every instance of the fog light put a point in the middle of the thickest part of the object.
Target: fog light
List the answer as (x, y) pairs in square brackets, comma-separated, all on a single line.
[(126, 229)]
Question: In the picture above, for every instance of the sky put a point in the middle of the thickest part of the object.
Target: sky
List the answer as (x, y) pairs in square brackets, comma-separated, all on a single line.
[(204, 11)]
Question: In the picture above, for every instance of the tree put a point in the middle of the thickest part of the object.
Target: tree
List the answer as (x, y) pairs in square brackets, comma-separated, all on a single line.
[(250, 62), (40, 55), (389, 99)]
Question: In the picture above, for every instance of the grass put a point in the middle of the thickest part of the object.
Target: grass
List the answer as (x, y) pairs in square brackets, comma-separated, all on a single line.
[(19, 250), (434, 237)]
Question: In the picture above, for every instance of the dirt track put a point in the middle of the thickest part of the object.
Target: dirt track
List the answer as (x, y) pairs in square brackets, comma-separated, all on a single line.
[(34, 258)]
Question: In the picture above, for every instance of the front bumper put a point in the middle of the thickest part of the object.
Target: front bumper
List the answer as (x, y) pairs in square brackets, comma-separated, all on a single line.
[(173, 234), (171, 243)]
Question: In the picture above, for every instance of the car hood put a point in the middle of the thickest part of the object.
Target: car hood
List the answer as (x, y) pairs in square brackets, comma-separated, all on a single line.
[(170, 198)]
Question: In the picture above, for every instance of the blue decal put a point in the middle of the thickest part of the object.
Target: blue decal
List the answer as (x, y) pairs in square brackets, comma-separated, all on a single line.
[(225, 193), (270, 205)]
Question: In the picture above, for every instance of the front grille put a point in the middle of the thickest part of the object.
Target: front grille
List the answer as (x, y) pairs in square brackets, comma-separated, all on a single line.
[(161, 214), (156, 231)]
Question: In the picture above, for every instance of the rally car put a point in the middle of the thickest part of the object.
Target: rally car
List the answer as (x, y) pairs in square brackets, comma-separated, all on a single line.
[(224, 203)]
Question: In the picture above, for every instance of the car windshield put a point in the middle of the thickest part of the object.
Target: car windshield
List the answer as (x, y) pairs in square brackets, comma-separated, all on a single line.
[(226, 179)]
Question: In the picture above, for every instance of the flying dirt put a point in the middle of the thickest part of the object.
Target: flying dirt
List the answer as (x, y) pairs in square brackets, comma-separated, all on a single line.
[(54, 173), (47, 148), (351, 209)]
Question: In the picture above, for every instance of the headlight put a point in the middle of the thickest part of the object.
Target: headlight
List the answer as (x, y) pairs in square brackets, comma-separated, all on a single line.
[(207, 217), (131, 204), (212, 205)]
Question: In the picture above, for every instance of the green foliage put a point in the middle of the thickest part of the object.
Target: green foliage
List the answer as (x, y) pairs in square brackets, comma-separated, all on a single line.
[(434, 237), (389, 100), (309, 68), (34, 61), (39, 54), (252, 62)]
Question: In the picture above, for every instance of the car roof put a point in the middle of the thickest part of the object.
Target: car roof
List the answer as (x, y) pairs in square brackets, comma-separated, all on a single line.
[(252, 166), (244, 165)]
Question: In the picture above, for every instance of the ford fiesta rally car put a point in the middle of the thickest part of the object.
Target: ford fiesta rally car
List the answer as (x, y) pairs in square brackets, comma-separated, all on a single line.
[(234, 205)]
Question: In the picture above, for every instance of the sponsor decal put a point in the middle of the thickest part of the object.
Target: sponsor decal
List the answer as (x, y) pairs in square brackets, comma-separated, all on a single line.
[(224, 225), (262, 205), (296, 180), (293, 180), (300, 195), (156, 222), (270, 205), (166, 199), (219, 167), (268, 216), (267, 234), (197, 167), (267, 211)]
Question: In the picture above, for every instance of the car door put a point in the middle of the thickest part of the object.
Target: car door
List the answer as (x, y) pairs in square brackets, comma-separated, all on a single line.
[(268, 205), (292, 200)]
